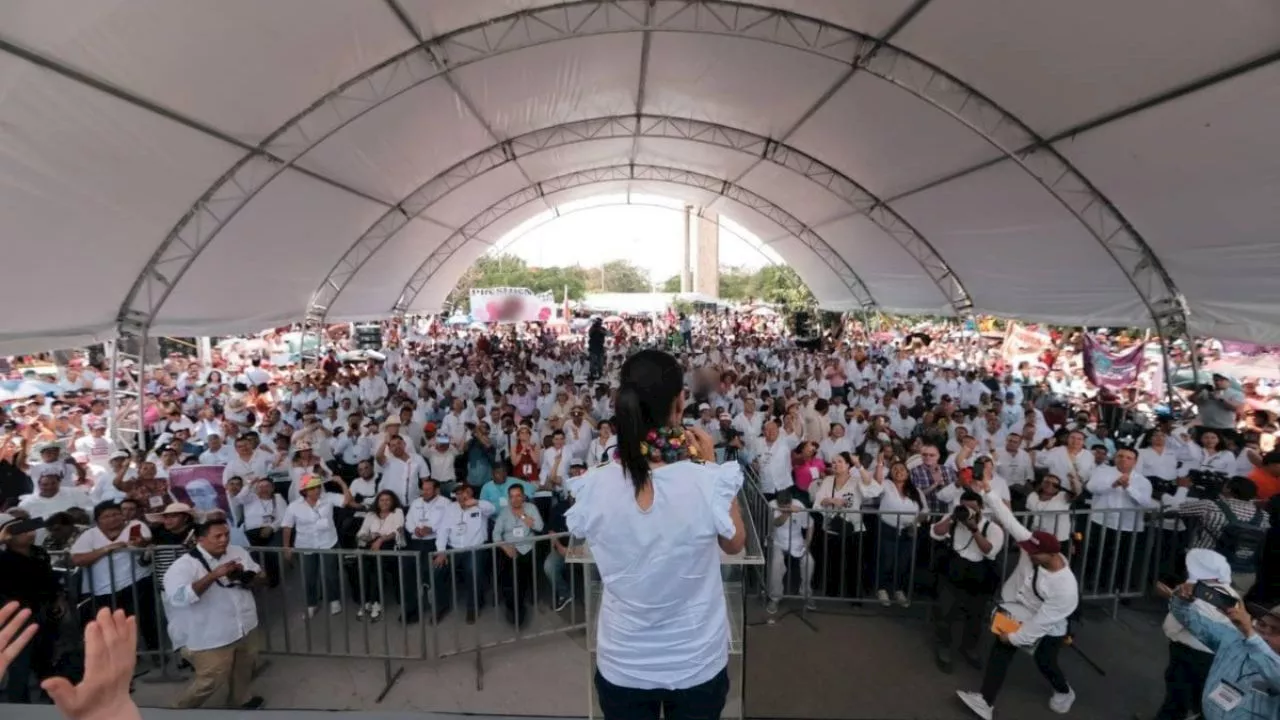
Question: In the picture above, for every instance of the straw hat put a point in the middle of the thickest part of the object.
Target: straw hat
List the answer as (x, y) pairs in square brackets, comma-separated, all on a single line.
[(172, 509)]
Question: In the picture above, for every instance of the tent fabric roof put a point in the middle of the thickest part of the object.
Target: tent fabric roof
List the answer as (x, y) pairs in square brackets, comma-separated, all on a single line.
[(217, 166)]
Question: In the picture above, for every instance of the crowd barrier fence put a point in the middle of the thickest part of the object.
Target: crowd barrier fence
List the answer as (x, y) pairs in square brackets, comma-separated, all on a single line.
[(425, 594), (434, 605), (853, 553)]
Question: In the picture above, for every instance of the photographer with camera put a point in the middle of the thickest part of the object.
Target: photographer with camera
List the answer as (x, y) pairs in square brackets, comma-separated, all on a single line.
[(967, 578), (209, 594)]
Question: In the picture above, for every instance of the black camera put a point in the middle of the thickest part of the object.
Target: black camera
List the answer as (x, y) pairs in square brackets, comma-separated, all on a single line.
[(242, 577), (962, 514)]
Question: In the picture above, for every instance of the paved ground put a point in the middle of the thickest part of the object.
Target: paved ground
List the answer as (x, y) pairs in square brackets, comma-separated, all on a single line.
[(859, 665)]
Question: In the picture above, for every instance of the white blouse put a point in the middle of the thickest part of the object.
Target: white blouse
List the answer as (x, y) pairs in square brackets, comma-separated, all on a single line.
[(1155, 464), (663, 621), (892, 502), (854, 493), (375, 527)]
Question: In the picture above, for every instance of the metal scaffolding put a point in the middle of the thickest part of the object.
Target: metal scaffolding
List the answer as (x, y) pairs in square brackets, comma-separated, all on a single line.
[(470, 231), (437, 57)]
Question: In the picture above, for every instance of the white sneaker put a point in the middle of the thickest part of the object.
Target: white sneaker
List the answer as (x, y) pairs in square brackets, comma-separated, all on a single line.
[(810, 604), (883, 597), (335, 608), (975, 702), (1061, 702), (311, 611), (772, 607), (901, 598), (363, 609), (375, 611)]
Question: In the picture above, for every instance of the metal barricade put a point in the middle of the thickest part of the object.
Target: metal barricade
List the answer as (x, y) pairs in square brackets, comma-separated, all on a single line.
[(432, 605), (852, 555)]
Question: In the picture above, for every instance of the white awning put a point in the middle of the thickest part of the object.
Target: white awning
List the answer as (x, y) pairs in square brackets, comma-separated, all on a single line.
[(214, 166)]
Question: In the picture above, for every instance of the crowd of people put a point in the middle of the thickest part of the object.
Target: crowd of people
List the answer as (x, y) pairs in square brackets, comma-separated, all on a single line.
[(894, 459)]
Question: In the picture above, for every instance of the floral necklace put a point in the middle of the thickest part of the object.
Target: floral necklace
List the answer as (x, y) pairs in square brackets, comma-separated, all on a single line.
[(668, 445)]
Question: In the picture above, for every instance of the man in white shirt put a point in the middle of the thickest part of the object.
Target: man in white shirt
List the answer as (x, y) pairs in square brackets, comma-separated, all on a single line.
[(212, 612), (426, 523), (217, 453), (466, 526), (773, 459), (967, 580), (792, 533), (52, 497), (401, 469), (1121, 495)]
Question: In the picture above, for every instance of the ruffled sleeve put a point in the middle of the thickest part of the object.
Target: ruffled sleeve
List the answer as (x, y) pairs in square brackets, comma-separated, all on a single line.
[(581, 488), (726, 481)]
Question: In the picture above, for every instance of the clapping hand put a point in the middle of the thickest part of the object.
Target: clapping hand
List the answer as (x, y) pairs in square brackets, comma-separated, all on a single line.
[(110, 642)]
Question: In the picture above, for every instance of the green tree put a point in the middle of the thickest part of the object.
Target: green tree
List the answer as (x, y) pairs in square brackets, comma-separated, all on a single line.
[(736, 282), (618, 276), (782, 285), (671, 284)]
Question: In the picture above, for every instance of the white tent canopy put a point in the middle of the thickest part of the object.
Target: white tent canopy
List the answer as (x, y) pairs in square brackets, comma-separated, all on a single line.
[(214, 166)]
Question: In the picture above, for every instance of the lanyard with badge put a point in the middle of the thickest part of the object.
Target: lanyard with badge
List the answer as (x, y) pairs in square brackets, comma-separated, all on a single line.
[(268, 510)]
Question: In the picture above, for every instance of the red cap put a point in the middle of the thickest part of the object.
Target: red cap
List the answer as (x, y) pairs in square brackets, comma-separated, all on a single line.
[(1041, 543)]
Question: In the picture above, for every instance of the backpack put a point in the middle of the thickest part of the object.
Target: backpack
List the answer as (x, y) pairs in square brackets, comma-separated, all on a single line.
[(1240, 542)]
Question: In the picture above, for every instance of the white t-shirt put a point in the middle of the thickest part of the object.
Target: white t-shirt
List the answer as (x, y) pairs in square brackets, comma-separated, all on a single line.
[(663, 621), (115, 572), (789, 536)]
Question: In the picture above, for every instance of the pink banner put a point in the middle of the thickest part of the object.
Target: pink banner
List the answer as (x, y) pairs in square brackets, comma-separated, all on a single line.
[(1112, 370), (200, 486)]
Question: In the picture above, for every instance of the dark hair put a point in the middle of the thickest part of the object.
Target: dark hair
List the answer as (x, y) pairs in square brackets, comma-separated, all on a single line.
[(103, 507), (1241, 488), (395, 500), (650, 382), (202, 529)]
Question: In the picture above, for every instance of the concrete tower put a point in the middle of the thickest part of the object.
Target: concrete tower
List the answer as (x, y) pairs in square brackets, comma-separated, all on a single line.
[(707, 269)]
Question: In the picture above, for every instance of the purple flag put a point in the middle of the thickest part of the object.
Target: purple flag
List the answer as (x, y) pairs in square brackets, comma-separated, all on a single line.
[(1111, 370)]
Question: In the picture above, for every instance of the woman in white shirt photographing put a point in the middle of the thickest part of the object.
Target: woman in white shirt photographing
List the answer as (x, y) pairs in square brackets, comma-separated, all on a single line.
[(657, 521)]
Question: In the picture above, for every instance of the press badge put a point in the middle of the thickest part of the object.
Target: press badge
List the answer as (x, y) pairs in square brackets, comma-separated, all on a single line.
[(1226, 696), (519, 532)]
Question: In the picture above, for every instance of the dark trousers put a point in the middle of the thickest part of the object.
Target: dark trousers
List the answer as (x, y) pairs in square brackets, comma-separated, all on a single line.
[(895, 555), (320, 577), (1184, 680), (270, 561), (467, 579), (1110, 567), (838, 557), (1046, 657), (409, 574), (958, 606), (139, 600), (700, 702), (515, 584), (36, 659)]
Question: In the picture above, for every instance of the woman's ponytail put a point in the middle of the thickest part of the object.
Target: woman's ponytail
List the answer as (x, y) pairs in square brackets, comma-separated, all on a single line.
[(631, 431)]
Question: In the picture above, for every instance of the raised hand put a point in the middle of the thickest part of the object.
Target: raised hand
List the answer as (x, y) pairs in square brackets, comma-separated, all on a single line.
[(12, 619), (110, 642)]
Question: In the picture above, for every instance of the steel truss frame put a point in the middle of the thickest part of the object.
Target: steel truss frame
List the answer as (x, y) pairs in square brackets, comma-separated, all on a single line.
[(419, 202), (119, 399), (538, 26), (470, 231)]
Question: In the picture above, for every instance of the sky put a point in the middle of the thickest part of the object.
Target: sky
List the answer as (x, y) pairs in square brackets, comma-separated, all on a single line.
[(649, 233)]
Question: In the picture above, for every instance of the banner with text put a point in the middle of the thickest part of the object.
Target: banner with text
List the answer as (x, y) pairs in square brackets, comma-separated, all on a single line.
[(492, 305), (1114, 370), (1023, 343)]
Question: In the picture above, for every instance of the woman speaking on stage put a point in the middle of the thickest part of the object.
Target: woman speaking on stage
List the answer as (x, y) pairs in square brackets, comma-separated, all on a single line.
[(656, 521)]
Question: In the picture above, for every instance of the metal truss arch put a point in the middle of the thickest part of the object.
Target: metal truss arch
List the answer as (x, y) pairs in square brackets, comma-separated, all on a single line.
[(419, 202), (470, 231), (584, 18)]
